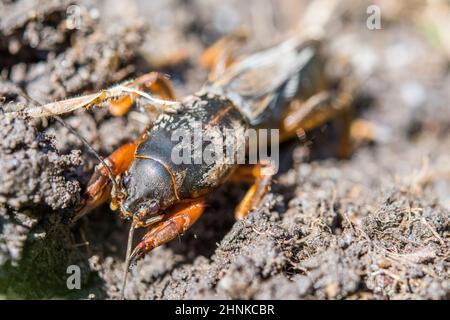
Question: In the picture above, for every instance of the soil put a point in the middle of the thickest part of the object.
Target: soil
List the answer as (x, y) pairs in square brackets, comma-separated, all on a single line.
[(373, 226)]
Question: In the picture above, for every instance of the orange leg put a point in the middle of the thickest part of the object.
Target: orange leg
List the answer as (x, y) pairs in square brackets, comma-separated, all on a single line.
[(180, 218), (261, 176), (307, 115), (363, 131), (220, 55), (155, 82), (99, 186), (315, 112)]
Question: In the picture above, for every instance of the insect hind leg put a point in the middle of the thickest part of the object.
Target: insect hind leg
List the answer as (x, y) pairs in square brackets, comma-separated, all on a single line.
[(179, 219), (317, 111)]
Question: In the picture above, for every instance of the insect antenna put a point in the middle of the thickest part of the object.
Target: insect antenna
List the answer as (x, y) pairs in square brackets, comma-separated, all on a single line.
[(91, 148), (113, 181), (127, 259)]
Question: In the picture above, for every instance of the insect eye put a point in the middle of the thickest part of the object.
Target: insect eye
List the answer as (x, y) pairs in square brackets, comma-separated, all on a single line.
[(126, 181), (153, 207)]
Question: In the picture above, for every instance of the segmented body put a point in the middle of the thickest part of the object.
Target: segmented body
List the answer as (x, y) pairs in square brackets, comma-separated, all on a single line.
[(255, 92)]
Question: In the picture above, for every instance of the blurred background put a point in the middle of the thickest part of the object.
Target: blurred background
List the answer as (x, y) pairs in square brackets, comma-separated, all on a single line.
[(373, 226)]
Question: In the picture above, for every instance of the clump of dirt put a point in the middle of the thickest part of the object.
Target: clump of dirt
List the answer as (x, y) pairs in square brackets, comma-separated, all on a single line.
[(37, 186), (374, 226), (32, 170), (29, 32)]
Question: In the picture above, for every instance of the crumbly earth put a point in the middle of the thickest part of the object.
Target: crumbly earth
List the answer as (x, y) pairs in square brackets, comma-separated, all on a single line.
[(374, 226)]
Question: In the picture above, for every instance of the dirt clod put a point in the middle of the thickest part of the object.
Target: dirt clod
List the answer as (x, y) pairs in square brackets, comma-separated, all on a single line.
[(373, 226)]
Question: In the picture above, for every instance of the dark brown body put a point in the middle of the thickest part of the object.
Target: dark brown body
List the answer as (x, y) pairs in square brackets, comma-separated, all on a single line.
[(255, 92), (208, 115)]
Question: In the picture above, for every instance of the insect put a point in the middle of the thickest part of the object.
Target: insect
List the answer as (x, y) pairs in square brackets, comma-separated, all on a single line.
[(283, 87)]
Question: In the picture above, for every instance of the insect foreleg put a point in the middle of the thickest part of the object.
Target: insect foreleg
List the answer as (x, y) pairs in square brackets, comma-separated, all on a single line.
[(119, 98), (99, 186), (179, 219)]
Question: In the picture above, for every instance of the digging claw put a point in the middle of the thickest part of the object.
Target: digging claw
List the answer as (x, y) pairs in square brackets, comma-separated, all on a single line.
[(84, 208), (137, 254), (176, 222)]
